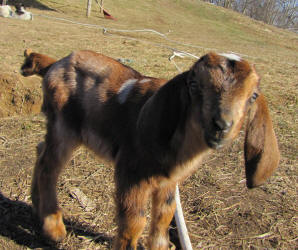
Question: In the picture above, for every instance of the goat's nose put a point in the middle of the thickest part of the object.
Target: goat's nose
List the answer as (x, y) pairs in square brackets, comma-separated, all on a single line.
[(221, 124)]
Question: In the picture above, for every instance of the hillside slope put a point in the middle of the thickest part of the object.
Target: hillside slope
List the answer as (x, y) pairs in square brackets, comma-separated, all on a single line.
[(219, 210)]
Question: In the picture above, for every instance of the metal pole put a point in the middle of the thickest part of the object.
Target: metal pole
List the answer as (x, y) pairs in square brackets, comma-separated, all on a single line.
[(89, 7), (180, 222)]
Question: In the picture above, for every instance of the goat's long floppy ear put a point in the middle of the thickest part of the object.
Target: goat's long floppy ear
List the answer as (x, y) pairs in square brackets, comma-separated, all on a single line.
[(261, 149), (162, 114), (27, 52)]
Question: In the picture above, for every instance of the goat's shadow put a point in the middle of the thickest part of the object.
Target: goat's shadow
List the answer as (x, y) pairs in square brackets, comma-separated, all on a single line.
[(18, 223)]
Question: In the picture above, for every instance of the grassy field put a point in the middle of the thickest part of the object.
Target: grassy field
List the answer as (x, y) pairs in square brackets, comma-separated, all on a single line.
[(221, 213)]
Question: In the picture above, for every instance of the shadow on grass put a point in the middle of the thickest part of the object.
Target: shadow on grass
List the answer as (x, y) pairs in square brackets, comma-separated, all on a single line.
[(19, 223), (30, 3)]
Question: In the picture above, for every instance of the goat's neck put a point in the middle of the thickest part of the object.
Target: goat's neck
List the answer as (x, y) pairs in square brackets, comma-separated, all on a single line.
[(43, 64), (192, 149), (42, 71), (193, 143)]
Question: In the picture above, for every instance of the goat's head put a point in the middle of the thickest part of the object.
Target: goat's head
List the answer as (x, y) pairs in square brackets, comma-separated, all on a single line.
[(222, 90), (226, 88), (35, 63), (28, 67)]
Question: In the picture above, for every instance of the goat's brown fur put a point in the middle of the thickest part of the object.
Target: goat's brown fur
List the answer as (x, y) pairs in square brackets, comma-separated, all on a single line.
[(156, 133)]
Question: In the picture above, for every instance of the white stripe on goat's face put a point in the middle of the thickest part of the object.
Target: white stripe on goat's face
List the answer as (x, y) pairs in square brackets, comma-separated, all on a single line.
[(232, 57), (145, 80), (125, 89)]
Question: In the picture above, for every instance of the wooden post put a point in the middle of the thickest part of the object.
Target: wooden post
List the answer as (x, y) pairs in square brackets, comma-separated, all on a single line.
[(101, 6), (4, 2), (89, 7)]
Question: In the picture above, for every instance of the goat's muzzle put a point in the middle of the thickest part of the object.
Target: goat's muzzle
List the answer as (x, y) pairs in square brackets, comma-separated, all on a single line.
[(24, 72), (214, 141), (216, 135)]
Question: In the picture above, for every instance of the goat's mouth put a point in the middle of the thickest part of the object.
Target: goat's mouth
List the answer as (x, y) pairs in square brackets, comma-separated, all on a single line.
[(24, 73), (214, 141)]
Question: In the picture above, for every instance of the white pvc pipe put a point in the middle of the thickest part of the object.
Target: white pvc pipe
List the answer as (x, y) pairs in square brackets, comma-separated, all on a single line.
[(180, 222)]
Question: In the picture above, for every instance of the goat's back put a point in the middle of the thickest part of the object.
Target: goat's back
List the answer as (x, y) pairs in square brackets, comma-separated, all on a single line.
[(97, 97)]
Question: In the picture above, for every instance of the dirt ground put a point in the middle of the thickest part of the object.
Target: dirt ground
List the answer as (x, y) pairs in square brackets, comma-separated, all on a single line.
[(220, 212)]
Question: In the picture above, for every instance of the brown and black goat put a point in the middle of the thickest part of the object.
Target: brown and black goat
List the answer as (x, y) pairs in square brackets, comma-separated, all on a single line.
[(156, 133), (36, 64)]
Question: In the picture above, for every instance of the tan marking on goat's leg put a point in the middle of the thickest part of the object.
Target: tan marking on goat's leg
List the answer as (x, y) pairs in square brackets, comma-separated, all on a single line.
[(55, 153), (163, 209), (131, 215), (53, 226)]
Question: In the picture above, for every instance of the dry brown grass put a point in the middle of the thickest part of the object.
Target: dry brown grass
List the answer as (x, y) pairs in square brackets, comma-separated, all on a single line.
[(219, 210)]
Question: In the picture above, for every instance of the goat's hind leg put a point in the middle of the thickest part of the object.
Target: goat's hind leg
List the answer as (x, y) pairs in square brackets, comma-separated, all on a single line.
[(52, 155), (34, 185), (163, 209)]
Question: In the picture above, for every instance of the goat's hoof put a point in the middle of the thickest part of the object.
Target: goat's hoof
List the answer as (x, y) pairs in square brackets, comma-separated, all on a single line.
[(53, 227)]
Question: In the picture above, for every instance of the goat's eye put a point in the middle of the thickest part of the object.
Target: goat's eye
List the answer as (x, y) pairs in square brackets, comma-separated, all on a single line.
[(28, 64), (193, 87), (253, 97)]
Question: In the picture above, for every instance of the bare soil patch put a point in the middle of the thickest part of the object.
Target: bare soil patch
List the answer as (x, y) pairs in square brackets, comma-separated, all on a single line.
[(19, 96)]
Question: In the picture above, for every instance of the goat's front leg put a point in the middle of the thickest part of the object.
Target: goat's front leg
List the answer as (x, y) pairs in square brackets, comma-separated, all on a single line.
[(163, 209), (131, 203), (52, 155)]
